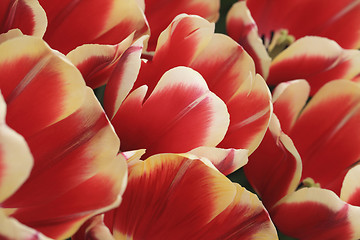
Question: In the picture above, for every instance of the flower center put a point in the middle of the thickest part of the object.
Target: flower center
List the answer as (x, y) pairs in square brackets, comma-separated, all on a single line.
[(309, 182), (278, 42)]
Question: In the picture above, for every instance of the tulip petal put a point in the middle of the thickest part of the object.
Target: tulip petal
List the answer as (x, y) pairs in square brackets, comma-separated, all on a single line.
[(12, 229), (248, 126), (228, 70), (314, 213), (182, 103), (96, 62), (76, 173), (33, 67), (172, 196), (289, 98), (350, 191), (338, 21), (225, 160), (329, 148), (242, 28), (26, 15), (244, 204), (317, 60), (274, 169), (57, 180), (74, 23), (123, 78), (161, 13), (16, 160), (93, 229)]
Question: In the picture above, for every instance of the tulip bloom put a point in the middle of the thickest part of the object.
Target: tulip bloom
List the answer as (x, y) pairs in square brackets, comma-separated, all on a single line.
[(173, 196), (316, 59), (179, 101), (311, 191), (76, 172)]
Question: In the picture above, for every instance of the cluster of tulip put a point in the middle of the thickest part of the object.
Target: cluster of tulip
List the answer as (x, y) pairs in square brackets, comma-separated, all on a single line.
[(178, 108)]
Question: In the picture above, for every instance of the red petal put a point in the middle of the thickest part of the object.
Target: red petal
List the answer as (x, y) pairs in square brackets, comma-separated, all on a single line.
[(26, 15), (179, 115), (96, 62), (338, 21), (313, 213), (74, 23), (289, 98), (16, 160), (317, 60), (274, 169), (242, 28), (12, 229), (171, 196), (190, 41), (225, 160), (76, 173), (123, 78), (161, 13), (329, 147), (28, 65)]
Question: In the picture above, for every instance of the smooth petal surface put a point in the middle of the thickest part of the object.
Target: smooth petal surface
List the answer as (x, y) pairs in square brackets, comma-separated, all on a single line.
[(74, 23), (26, 15), (16, 160), (11, 229), (94, 229), (76, 173), (241, 27), (172, 196), (123, 78), (327, 133), (317, 60), (28, 65), (161, 13), (228, 70), (350, 190), (96, 62), (225, 160), (339, 21), (179, 115), (314, 213), (289, 98), (274, 169)]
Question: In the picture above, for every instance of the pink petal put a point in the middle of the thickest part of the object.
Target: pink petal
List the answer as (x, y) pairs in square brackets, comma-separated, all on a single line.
[(317, 60)]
